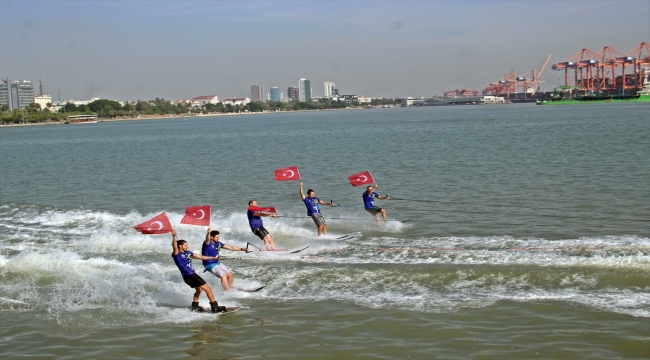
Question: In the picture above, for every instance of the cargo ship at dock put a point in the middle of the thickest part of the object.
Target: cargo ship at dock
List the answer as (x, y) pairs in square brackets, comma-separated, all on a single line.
[(571, 95)]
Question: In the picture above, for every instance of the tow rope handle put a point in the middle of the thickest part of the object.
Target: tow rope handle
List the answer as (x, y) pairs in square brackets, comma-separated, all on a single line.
[(247, 244)]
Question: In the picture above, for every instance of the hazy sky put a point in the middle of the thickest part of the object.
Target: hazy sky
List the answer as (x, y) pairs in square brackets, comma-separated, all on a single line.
[(127, 50)]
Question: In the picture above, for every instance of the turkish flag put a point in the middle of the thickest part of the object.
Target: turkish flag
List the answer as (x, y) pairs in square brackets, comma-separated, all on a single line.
[(288, 173), (361, 178), (197, 215), (263, 209), (158, 225)]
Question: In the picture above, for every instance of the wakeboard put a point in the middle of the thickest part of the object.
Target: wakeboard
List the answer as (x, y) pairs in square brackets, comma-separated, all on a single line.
[(230, 309), (209, 311)]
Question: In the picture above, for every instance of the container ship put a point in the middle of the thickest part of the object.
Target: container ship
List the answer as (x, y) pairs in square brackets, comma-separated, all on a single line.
[(569, 95)]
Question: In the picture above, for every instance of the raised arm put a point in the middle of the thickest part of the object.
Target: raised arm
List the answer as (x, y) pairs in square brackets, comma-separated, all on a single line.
[(207, 237), (302, 193), (174, 243)]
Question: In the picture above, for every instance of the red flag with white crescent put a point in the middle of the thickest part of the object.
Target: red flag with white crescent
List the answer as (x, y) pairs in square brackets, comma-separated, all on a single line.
[(158, 225), (288, 173), (197, 215), (269, 209), (361, 178)]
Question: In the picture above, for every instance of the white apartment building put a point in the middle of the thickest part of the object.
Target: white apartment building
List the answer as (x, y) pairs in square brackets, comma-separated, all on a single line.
[(329, 88)]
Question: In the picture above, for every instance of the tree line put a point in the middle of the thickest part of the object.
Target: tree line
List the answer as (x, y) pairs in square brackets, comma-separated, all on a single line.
[(104, 108)]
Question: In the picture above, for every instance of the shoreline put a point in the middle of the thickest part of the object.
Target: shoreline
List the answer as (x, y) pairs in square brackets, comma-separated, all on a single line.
[(170, 116)]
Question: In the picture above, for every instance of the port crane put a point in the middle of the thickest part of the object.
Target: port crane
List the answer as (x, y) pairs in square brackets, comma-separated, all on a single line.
[(512, 82), (599, 71)]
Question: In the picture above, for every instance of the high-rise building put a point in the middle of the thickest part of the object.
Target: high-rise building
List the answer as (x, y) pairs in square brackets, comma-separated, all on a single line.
[(257, 93), (329, 89), (304, 86), (16, 94), (276, 94), (293, 93)]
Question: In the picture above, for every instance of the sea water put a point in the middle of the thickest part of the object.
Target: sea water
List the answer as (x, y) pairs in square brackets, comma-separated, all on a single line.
[(514, 231)]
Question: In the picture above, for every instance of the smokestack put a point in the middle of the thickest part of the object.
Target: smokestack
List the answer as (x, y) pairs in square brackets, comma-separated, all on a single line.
[(41, 85)]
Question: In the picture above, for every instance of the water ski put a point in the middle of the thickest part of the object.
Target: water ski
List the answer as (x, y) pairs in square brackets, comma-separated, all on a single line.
[(286, 251), (253, 257), (295, 251), (255, 289), (346, 237)]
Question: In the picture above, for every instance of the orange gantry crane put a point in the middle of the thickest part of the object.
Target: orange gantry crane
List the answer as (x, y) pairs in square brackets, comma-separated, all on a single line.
[(505, 86), (511, 82), (606, 70)]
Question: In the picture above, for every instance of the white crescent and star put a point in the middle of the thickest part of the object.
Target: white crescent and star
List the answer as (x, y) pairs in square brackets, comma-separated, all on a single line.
[(156, 222), (365, 178), (202, 215), (289, 171)]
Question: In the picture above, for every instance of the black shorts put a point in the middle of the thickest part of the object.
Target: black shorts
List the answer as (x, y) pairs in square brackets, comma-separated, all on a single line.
[(194, 280), (374, 210), (261, 232)]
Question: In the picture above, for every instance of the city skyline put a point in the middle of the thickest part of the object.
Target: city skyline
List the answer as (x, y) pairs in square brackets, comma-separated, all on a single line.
[(132, 50)]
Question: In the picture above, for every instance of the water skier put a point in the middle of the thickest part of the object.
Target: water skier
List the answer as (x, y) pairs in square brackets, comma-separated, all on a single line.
[(313, 209), (183, 259), (210, 249), (257, 226), (368, 202)]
